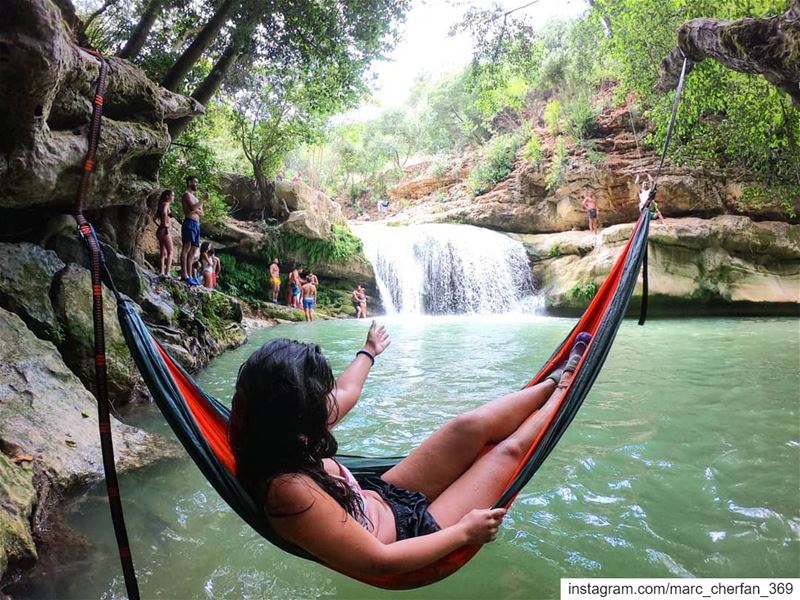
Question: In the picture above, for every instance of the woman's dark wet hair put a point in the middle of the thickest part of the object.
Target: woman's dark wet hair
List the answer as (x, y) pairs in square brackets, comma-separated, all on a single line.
[(279, 420)]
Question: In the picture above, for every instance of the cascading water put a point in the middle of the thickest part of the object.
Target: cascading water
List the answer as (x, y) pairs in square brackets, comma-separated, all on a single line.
[(447, 269)]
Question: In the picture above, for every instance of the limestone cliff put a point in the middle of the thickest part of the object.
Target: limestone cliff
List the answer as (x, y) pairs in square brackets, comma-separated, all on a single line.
[(724, 265)]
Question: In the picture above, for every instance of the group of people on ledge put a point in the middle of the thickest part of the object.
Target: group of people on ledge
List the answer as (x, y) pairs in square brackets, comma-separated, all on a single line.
[(200, 264), (589, 202), (301, 291)]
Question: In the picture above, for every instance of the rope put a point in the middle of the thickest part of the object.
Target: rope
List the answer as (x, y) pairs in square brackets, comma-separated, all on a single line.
[(98, 267), (652, 196)]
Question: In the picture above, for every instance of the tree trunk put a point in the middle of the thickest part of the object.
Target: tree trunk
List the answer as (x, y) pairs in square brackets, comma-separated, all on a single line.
[(192, 54), (770, 47), (139, 35), (209, 86)]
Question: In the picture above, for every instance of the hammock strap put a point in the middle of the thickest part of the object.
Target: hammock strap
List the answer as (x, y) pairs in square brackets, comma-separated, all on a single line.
[(652, 196), (98, 267)]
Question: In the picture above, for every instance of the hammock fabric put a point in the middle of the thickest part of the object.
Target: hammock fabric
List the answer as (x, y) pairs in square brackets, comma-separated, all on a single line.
[(201, 421)]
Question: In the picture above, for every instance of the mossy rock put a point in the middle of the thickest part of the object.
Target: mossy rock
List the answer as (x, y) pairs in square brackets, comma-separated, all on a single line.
[(26, 274), (17, 497), (72, 299)]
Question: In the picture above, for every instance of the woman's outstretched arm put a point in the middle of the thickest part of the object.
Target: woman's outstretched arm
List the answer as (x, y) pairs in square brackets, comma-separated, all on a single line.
[(351, 381)]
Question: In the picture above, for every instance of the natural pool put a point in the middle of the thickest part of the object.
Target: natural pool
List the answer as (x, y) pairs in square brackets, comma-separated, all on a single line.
[(684, 461)]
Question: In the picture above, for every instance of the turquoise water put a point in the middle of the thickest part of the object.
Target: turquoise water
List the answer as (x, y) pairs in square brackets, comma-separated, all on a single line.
[(684, 461)]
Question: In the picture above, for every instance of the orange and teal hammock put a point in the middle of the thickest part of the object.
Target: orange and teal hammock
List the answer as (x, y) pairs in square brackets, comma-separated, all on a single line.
[(200, 421)]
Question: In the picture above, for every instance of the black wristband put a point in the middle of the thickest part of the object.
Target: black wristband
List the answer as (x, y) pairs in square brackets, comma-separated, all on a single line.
[(367, 354)]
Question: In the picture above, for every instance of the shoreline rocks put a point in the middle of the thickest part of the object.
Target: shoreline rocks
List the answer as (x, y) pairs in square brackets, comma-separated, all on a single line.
[(728, 265)]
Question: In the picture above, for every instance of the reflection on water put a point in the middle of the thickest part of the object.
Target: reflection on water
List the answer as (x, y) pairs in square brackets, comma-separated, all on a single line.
[(684, 461)]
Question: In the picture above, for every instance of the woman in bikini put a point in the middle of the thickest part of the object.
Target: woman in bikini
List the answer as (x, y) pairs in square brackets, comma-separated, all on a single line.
[(206, 265), (429, 504), (163, 236)]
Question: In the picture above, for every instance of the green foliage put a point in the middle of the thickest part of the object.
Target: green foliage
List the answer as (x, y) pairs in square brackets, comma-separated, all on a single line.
[(552, 116), (496, 163), (727, 119), (582, 291), (244, 280), (533, 150), (194, 157), (559, 164), (780, 198), (578, 116), (555, 251), (342, 246)]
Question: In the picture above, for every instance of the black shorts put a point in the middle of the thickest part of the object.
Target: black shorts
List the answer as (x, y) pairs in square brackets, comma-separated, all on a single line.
[(410, 509)]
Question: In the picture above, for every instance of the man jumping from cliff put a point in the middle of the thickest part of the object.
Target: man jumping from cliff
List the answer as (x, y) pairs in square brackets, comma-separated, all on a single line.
[(190, 230)]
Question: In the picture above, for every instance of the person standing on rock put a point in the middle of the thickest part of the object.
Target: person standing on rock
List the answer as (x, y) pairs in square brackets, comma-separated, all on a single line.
[(590, 204), (309, 297), (217, 264), (275, 279), (294, 289), (163, 236), (190, 230)]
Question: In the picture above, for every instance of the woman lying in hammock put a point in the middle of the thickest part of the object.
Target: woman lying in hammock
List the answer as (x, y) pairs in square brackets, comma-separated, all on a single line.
[(428, 505)]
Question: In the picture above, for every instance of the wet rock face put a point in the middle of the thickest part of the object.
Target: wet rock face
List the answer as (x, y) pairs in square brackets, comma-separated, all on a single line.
[(45, 120), (48, 423), (73, 307), (26, 274)]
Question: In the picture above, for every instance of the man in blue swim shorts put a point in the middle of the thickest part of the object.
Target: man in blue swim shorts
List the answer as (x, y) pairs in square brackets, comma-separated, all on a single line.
[(309, 297), (190, 229)]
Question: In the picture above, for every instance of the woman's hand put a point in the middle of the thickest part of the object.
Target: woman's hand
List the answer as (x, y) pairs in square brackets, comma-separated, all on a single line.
[(377, 339), (481, 524)]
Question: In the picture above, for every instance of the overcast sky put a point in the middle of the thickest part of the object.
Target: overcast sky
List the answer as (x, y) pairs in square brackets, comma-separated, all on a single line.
[(425, 47)]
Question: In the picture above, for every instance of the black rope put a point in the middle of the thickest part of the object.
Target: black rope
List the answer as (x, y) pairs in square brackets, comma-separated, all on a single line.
[(98, 268), (652, 196)]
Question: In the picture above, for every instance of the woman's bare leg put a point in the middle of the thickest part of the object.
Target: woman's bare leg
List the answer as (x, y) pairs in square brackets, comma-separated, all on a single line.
[(482, 483), (453, 448)]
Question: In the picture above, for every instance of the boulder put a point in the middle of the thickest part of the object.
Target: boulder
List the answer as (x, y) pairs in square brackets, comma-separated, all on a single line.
[(725, 265), (72, 299), (26, 275), (17, 498), (311, 213), (44, 121), (46, 413), (242, 197)]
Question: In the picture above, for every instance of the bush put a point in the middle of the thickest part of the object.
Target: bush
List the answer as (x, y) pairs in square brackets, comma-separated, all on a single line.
[(533, 150), (357, 191), (579, 117), (497, 162), (439, 167), (555, 251), (244, 280), (558, 165), (342, 246), (552, 116), (582, 291)]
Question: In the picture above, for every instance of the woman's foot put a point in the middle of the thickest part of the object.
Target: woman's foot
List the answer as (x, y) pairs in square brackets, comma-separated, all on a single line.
[(578, 348)]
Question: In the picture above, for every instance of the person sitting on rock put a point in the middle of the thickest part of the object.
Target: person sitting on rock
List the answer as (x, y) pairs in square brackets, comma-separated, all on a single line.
[(206, 265)]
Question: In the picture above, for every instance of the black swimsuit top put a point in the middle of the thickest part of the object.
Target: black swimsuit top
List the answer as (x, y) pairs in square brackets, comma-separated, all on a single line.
[(169, 214)]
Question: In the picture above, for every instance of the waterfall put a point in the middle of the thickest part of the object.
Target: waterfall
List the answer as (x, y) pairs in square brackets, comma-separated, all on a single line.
[(447, 269)]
